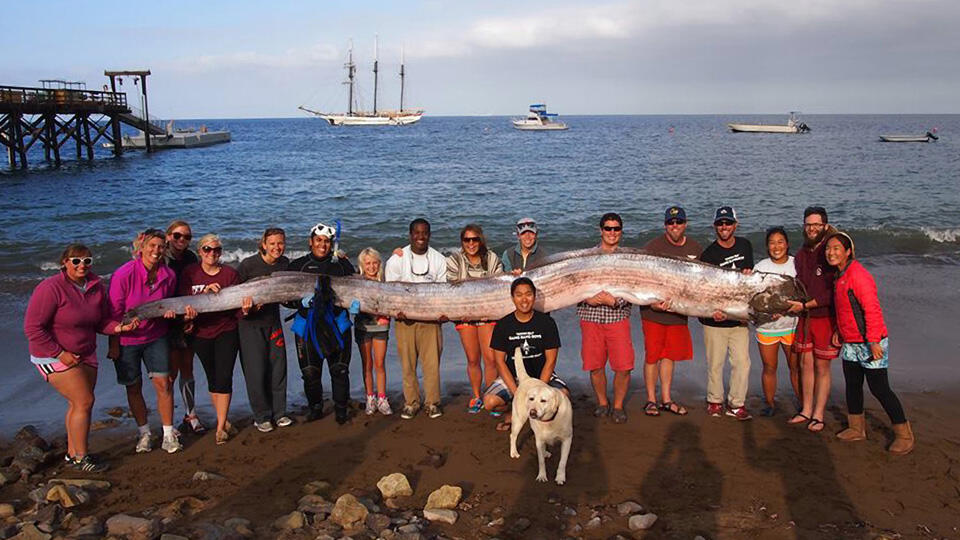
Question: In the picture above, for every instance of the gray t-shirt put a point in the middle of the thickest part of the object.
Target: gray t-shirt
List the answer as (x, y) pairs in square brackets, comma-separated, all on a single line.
[(254, 267)]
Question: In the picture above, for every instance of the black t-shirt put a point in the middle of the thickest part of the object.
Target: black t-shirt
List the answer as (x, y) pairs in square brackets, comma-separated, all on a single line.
[(186, 259), (255, 267), (738, 257), (329, 265), (533, 337)]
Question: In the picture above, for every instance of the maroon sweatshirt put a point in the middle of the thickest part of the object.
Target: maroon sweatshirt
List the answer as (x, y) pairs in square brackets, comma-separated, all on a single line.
[(817, 277)]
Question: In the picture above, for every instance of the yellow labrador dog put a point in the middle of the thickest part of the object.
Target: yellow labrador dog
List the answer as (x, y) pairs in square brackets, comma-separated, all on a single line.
[(551, 418)]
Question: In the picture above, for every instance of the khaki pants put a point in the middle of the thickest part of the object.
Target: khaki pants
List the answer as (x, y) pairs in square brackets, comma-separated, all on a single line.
[(718, 341), (423, 341)]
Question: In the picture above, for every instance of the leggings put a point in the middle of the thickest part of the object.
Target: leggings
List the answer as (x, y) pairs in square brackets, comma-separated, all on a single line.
[(218, 356), (854, 373)]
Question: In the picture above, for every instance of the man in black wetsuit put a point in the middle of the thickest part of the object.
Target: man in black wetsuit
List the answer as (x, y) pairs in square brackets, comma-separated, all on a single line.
[(322, 260)]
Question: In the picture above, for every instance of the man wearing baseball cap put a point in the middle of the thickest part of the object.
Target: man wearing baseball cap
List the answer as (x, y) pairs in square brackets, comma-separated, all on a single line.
[(666, 337), (721, 336), (527, 252)]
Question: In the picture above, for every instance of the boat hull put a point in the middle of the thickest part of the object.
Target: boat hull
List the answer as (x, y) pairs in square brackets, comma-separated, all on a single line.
[(552, 126), (193, 139), (762, 128), (905, 138), (378, 120)]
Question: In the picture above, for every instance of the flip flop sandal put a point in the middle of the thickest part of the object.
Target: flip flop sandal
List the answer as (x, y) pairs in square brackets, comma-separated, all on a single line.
[(815, 425), (496, 414), (673, 407), (601, 410), (650, 409), (803, 419), (504, 426), (619, 416)]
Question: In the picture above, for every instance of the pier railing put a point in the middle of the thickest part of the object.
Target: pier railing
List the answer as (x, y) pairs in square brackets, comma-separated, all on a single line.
[(24, 98)]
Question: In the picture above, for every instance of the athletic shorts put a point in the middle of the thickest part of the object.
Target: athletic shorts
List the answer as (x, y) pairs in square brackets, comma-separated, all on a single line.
[(774, 339), (499, 388), (59, 367), (155, 356), (819, 339), (670, 341), (599, 342), (465, 324)]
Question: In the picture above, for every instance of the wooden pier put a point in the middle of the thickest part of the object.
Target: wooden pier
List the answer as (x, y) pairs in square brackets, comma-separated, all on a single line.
[(56, 116)]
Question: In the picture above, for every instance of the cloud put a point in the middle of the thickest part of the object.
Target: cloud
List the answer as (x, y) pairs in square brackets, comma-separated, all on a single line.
[(308, 57)]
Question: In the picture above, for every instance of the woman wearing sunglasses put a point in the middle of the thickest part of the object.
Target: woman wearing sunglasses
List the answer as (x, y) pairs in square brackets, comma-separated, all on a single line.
[(144, 279), (178, 257), (64, 315), (474, 261), (215, 337)]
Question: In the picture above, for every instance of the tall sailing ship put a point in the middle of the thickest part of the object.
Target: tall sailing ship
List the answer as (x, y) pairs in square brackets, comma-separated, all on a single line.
[(377, 117)]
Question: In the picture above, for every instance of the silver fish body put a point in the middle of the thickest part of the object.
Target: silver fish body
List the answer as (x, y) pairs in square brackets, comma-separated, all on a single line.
[(692, 287)]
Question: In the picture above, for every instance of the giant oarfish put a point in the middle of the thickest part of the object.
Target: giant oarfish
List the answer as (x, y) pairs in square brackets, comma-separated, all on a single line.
[(692, 288)]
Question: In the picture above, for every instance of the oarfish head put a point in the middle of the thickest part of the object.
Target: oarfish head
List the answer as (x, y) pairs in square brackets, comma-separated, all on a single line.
[(773, 299)]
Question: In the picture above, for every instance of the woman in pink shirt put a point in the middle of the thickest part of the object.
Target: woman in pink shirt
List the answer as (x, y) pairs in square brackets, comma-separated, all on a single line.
[(64, 315)]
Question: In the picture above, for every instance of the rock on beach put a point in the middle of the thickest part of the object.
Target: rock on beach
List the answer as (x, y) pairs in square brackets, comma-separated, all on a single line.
[(447, 497), (348, 512), (133, 528), (394, 485)]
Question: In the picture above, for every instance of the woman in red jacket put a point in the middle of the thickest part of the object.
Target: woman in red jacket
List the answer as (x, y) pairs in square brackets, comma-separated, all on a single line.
[(864, 349), (65, 313)]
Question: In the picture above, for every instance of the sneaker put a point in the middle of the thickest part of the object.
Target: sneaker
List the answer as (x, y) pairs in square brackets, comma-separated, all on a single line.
[(88, 464), (264, 427), (383, 405), (144, 443), (315, 413), (715, 409), (342, 415), (284, 421), (371, 405), (409, 411), (475, 405), (433, 411), (171, 443), (191, 421), (740, 413)]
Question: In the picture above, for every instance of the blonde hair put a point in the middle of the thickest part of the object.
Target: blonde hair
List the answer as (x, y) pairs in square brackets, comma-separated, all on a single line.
[(177, 223), (206, 239), (370, 252), (145, 236)]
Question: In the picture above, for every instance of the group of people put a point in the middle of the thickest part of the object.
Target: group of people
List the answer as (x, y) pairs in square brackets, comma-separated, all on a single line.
[(840, 317)]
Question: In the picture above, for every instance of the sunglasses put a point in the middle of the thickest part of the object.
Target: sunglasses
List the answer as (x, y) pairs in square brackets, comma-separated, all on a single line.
[(724, 223), (612, 229), (181, 236), (77, 261), (207, 249), (470, 239), (676, 221)]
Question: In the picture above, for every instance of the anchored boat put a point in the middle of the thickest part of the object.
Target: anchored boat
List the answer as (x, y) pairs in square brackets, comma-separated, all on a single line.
[(929, 137), (793, 125), (538, 119), (377, 117)]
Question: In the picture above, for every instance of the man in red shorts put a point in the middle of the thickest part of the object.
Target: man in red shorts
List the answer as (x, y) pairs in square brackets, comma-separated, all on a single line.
[(605, 329), (666, 337), (817, 321)]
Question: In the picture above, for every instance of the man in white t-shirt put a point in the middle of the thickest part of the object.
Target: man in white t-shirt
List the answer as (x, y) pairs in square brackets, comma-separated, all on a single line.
[(418, 341)]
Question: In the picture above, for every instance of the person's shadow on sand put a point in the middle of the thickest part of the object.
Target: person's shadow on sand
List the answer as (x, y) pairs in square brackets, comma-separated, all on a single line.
[(809, 478), (683, 482)]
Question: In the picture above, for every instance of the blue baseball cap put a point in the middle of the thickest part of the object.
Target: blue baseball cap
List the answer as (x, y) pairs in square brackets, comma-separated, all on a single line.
[(674, 212)]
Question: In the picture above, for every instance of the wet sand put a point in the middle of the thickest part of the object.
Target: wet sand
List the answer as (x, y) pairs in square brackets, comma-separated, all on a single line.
[(718, 478)]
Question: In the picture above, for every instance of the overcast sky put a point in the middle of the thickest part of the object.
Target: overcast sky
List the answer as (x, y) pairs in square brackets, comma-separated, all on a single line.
[(241, 59)]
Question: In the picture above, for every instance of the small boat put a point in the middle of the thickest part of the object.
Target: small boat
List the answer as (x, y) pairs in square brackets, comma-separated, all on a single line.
[(929, 137), (176, 138), (793, 125), (538, 119), (377, 117)]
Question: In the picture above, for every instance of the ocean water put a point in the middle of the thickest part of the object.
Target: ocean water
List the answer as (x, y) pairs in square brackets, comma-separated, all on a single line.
[(901, 203)]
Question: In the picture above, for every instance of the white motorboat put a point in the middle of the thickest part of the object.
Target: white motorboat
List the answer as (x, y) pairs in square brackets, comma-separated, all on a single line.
[(929, 137), (538, 119), (793, 125), (377, 117)]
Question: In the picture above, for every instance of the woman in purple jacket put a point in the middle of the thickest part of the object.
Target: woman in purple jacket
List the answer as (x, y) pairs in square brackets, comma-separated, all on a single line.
[(144, 279), (63, 317)]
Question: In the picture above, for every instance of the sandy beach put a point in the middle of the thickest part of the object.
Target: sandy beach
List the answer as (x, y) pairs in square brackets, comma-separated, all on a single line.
[(717, 478)]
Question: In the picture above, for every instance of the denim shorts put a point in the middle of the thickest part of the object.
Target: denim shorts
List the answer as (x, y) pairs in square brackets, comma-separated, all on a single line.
[(155, 355)]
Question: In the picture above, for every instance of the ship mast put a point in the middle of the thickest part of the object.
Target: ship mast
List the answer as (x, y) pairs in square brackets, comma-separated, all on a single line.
[(376, 54), (401, 79), (351, 70)]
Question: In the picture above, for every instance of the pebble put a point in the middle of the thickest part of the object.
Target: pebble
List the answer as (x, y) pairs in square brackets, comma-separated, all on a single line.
[(642, 522), (446, 497), (168, 536), (28, 436), (628, 508), (82, 483), (31, 532), (6, 510), (115, 412), (497, 522), (66, 496), (203, 476), (317, 487), (521, 524), (92, 528), (408, 528), (575, 529), (348, 512), (594, 523), (394, 485), (133, 527), (377, 522), (568, 511), (441, 515), (291, 521)]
